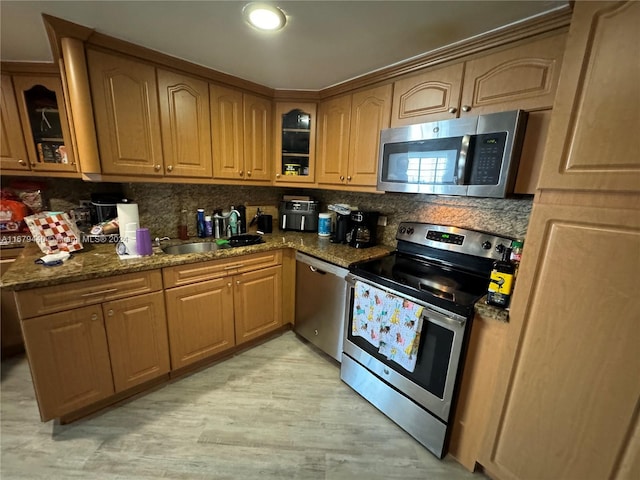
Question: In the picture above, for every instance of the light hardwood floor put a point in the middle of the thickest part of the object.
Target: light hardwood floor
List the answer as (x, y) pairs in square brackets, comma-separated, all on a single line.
[(277, 411)]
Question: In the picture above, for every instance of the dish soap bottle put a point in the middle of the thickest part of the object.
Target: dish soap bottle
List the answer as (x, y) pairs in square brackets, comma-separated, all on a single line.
[(201, 227), (501, 283)]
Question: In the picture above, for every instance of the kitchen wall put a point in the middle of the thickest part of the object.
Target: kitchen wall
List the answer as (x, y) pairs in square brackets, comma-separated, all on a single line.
[(160, 204)]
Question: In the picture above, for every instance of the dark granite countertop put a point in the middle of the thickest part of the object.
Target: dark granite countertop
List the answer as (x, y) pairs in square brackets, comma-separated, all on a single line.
[(101, 260), (489, 312)]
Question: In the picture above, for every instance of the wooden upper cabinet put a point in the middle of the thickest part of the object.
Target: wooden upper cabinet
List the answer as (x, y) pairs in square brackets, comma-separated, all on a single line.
[(241, 135), (332, 149), (40, 101), (294, 158), (524, 77), (69, 359), (593, 141), (186, 128), (227, 132), (532, 155), (127, 114), (370, 113), (258, 135), (138, 340), (428, 96), (13, 153)]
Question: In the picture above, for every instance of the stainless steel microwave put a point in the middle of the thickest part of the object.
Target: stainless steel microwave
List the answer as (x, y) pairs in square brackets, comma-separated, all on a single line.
[(471, 156)]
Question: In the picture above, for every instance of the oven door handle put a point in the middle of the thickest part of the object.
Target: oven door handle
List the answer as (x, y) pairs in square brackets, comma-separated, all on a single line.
[(452, 321)]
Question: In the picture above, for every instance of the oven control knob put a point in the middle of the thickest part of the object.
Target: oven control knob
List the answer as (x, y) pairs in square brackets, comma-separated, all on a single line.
[(486, 245), (410, 231), (500, 248), (403, 229)]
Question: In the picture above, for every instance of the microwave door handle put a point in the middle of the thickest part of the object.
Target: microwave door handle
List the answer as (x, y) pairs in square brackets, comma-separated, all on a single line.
[(302, 223), (284, 221), (461, 167)]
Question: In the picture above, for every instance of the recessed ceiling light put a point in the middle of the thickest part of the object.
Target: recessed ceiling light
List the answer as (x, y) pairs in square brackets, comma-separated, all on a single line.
[(264, 16)]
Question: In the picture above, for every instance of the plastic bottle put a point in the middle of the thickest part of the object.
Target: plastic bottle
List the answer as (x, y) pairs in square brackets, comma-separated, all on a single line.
[(208, 225), (516, 254), (200, 220), (233, 222), (501, 283), (183, 233)]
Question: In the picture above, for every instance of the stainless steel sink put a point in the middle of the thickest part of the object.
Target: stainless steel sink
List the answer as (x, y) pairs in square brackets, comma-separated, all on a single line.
[(198, 247)]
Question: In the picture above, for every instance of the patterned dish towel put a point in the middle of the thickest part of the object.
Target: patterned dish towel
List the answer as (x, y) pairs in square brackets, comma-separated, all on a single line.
[(390, 323)]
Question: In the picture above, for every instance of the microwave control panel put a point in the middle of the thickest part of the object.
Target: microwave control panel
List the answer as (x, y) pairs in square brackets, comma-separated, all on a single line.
[(488, 152)]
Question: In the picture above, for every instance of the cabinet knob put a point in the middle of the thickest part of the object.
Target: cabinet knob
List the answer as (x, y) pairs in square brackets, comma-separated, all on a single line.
[(110, 313), (241, 173), (349, 178), (466, 108), (277, 175), (94, 317), (249, 173), (315, 332), (229, 284), (33, 165), (22, 162), (237, 282), (170, 168), (342, 178), (453, 110), (157, 168)]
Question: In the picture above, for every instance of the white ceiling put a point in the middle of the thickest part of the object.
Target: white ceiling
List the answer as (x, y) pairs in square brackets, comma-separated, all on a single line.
[(324, 43)]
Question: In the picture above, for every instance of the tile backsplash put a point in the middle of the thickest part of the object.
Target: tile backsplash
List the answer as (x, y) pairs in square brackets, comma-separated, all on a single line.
[(160, 205)]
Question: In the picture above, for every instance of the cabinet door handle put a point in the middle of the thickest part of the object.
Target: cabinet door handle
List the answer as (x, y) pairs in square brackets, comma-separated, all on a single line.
[(466, 108), (157, 168), (235, 265), (229, 284), (277, 175), (249, 173), (101, 292), (342, 178), (94, 317), (349, 178), (237, 282), (110, 313), (170, 168), (22, 162), (241, 173), (453, 110)]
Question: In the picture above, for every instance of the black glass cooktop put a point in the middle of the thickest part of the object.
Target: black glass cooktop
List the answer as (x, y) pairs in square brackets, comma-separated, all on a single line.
[(432, 282)]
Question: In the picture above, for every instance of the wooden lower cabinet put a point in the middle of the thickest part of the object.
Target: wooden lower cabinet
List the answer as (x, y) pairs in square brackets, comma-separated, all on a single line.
[(200, 320), (258, 303), (69, 359), (477, 386), (138, 341)]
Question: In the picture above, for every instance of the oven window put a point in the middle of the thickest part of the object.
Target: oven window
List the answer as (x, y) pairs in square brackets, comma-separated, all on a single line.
[(432, 365)]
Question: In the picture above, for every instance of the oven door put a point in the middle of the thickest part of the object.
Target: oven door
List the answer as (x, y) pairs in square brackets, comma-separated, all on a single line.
[(431, 384)]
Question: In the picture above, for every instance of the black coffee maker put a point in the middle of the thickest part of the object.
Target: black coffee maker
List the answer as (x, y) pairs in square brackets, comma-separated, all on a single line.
[(363, 229)]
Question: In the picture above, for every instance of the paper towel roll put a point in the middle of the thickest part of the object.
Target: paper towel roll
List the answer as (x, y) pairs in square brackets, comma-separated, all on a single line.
[(128, 222)]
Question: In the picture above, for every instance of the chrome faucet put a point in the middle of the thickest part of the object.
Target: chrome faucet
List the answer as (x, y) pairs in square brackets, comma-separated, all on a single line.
[(157, 240)]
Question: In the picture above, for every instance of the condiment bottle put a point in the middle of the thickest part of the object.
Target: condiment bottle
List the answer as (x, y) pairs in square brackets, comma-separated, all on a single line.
[(501, 283), (182, 226)]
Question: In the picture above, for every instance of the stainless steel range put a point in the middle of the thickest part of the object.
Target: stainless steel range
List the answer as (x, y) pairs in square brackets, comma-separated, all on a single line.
[(407, 321)]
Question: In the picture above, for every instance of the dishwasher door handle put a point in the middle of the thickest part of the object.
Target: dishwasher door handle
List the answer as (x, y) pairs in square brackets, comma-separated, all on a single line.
[(317, 270)]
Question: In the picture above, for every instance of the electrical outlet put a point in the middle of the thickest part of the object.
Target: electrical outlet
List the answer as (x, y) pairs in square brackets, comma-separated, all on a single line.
[(382, 221)]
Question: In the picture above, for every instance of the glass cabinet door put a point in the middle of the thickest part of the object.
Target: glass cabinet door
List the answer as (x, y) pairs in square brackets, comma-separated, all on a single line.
[(295, 142), (47, 134)]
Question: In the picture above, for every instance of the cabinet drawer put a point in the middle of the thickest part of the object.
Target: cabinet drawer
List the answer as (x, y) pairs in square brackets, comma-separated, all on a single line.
[(40, 301), (200, 272)]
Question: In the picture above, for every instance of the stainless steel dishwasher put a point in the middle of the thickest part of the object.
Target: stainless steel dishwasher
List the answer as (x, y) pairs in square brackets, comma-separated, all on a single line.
[(321, 293)]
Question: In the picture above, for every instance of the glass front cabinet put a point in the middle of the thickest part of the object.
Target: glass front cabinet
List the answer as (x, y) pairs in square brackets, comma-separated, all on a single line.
[(295, 142), (41, 106)]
